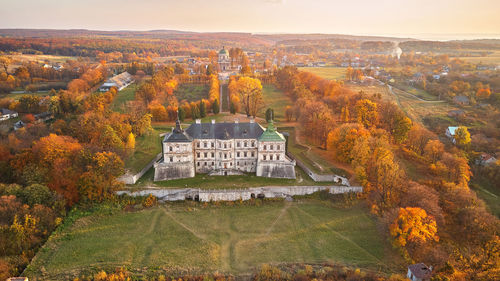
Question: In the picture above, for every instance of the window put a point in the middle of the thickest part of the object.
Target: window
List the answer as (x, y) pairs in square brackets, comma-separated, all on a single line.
[(271, 157), (169, 148), (263, 157), (245, 154), (246, 144), (279, 147), (205, 164), (225, 155), (253, 154), (272, 147), (237, 144), (171, 159), (205, 154), (198, 154), (237, 154), (225, 145), (213, 144), (198, 144), (277, 157), (212, 163), (265, 147), (213, 154), (198, 163), (253, 143), (237, 163)]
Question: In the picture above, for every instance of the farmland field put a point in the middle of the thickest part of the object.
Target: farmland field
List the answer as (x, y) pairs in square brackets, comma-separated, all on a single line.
[(330, 73), (191, 92), (198, 238)]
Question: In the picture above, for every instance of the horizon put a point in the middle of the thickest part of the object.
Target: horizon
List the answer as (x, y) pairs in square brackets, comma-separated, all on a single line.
[(417, 36), (445, 20)]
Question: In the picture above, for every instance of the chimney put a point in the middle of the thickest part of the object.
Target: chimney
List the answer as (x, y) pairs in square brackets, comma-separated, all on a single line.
[(198, 121), (236, 121), (252, 120), (213, 121)]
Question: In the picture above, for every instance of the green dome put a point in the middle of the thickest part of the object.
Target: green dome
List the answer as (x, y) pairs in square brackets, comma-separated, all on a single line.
[(223, 52)]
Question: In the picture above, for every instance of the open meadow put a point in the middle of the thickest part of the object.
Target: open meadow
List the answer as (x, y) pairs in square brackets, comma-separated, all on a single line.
[(330, 73), (275, 99), (123, 96), (196, 237)]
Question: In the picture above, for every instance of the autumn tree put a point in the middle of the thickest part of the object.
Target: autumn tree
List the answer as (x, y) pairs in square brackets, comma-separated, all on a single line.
[(462, 136), (366, 112), (413, 225), (130, 143), (250, 93)]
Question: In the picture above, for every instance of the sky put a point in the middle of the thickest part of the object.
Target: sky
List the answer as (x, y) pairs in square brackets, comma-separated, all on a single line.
[(414, 18)]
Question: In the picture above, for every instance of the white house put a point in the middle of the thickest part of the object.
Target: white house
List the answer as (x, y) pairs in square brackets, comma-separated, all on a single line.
[(450, 133), (419, 272), (486, 159), (7, 114)]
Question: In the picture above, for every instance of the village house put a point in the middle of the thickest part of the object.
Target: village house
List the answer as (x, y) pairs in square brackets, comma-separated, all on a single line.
[(6, 114), (419, 272), (450, 133), (486, 159), (462, 100), (224, 149), (120, 81)]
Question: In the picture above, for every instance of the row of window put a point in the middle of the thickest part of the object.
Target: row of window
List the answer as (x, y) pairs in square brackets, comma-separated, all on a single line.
[(271, 157), (271, 147), (200, 163), (182, 146), (212, 154), (206, 144)]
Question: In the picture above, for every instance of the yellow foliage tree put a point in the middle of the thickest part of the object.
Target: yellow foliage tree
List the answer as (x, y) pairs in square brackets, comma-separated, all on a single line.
[(130, 144), (413, 225)]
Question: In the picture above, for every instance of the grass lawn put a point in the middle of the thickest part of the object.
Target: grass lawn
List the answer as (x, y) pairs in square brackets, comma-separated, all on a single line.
[(330, 73), (17, 96), (191, 92), (123, 97), (314, 161), (487, 191), (275, 99), (196, 238), (146, 148)]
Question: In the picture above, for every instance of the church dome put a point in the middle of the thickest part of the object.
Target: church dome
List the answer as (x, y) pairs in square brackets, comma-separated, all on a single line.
[(223, 51)]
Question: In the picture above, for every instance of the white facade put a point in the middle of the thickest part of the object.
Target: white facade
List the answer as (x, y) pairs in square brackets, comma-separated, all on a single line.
[(224, 154)]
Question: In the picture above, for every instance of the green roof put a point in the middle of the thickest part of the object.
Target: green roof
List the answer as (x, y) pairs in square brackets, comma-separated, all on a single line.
[(223, 52), (270, 134)]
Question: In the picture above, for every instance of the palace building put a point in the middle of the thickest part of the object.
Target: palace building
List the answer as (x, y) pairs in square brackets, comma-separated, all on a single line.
[(224, 149)]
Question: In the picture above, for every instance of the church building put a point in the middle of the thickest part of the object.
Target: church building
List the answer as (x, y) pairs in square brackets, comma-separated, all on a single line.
[(224, 149), (224, 60)]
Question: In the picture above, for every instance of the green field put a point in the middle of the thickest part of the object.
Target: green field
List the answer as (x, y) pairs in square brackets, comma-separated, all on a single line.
[(194, 238), (191, 92), (275, 99), (330, 73), (486, 190), (146, 148), (123, 97), (17, 96)]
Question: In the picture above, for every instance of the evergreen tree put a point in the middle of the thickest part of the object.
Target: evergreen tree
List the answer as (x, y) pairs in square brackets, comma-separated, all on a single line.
[(232, 108), (216, 106), (203, 109), (269, 114), (181, 114)]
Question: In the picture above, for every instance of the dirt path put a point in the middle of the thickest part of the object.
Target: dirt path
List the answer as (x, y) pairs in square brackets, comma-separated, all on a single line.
[(283, 211), (183, 225)]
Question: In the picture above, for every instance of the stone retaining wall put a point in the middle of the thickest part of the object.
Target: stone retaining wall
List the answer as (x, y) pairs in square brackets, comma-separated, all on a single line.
[(207, 195), (132, 179), (320, 178)]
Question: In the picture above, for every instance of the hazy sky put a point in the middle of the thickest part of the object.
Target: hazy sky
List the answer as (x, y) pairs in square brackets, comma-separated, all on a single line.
[(381, 17)]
